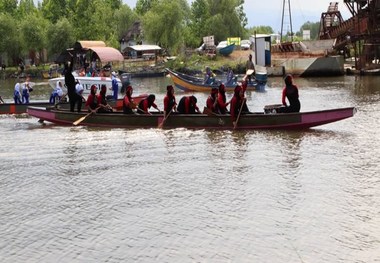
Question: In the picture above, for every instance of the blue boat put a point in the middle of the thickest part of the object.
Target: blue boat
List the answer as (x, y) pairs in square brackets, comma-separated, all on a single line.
[(227, 50)]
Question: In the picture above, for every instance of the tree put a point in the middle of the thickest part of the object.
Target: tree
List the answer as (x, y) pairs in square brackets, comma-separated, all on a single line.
[(123, 20), (313, 27), (33, 32), (53, 10), (114, 4), (163, 23), (92, 20), (143, 6), (9, 43), (260, 30), (61, 37), (8, 7), (26, 8), (221, 18)]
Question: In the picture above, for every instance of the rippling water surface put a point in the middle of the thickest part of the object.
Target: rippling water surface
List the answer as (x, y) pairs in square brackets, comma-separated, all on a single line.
[(77, 194)]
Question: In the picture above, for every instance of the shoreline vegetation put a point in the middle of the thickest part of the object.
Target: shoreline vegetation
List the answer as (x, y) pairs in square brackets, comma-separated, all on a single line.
[(193, 64)]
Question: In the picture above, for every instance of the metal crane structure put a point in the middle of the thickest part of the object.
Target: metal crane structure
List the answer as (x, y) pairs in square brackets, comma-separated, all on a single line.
[(360, 33), (285, 22)]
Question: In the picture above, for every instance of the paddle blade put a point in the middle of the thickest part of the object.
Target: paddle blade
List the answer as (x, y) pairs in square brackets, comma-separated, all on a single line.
[(249, 72), (79, 120)]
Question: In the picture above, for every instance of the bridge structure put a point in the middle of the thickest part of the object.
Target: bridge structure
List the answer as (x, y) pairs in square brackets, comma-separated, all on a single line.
[(358, 36)]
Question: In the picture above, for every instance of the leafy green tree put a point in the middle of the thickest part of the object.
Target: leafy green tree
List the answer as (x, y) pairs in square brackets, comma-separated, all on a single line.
[(61, 37), (143, 6), (163, 23), (33, 32), (114, 4), (8, 7), (9, 42), (313, 27), (221, 18), (53, 10), (124, 18), (92, 20), (260, 30), (26, 8)]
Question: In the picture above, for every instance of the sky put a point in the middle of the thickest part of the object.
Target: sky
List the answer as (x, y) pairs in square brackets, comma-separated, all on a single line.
[(269, 12)]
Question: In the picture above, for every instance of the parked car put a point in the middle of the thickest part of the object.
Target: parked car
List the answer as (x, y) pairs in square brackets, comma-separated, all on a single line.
[(245, 44)]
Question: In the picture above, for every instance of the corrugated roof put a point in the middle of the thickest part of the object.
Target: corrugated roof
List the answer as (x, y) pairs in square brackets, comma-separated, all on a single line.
[(89, 44), (108, 54)]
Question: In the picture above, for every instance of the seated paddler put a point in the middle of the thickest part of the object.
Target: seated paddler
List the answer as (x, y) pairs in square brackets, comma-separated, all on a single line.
[(237, 103), (128, 103), (290, 92), (104, 107), (212, 100), (92, 102), (146, 104), (188, 105), (170, 104)]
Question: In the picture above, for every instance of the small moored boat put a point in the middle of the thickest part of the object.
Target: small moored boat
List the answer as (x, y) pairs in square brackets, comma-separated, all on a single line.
[(227, 50), (287, 121), (190, 83)]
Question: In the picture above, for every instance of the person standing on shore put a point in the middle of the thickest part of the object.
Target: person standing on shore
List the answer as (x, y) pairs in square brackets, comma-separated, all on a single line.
[(249, 66)]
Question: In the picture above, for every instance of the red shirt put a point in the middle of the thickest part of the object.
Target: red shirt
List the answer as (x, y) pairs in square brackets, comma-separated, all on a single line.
[(210, 103), (92, 101), (169, 103), (145, 105)]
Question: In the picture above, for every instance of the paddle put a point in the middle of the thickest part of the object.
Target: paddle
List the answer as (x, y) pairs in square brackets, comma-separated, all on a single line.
[(249, 72), (163, 121), (60, 100), (84, 117), (147, 112), (238, 117), (208, 112)]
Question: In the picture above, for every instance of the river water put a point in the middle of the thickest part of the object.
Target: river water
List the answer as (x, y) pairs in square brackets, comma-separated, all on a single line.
[(77, 194)]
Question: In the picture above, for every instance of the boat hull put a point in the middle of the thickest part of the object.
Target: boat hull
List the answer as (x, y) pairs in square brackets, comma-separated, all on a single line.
[(288, 121), (312, 66), (226, 51), (190, 84)]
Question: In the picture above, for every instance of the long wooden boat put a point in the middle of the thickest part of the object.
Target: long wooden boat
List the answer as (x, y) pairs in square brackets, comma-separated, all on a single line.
[(12, 108), (289, 121), (227, 50), (190, 83)]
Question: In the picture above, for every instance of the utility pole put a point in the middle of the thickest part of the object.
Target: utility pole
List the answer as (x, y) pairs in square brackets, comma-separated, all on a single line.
[(286, 4)]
